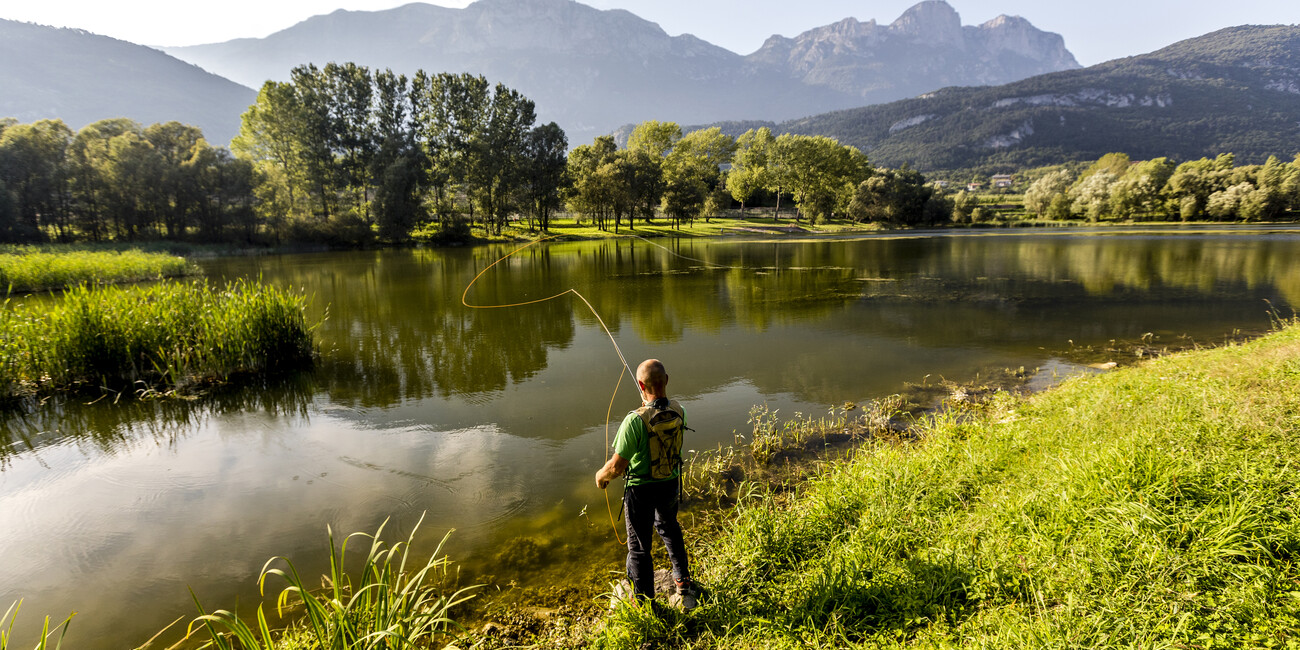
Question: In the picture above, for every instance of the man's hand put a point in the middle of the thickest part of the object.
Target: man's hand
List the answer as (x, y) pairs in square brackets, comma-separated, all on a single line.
[(615, 466)]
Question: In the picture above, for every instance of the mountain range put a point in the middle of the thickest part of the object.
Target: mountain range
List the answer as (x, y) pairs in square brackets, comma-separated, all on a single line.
[(923, 90), (79, 77), (1236, 91), (592, 70)]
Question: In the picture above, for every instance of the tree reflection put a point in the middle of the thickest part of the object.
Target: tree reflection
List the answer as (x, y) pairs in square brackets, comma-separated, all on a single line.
[(107, 426)]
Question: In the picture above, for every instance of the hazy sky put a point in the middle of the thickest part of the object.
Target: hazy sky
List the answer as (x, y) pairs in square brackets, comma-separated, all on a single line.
[(1094, 30)]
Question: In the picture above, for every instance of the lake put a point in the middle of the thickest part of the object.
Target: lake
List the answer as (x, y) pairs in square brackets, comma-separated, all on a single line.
[(492, 421)]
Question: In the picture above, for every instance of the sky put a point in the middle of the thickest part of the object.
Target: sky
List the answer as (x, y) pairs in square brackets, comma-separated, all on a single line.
[(1094, 30)]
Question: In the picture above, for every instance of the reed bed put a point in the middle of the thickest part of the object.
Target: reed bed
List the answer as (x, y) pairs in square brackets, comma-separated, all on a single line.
[(395, 602), (1151, 507), (158, 338), (27, 269)]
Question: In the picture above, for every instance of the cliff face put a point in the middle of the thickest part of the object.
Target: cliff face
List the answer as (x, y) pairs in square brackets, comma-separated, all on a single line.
[(1235, 90), (925, 49), (592, 70)]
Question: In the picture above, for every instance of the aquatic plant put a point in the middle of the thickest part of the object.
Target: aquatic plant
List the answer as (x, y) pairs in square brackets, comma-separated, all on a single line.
[(11, 616), (394, 602), (24, 269), (162, 337)]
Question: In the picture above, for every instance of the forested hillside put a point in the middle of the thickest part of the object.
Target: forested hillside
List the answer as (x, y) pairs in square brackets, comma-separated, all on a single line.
[(1236, 90)]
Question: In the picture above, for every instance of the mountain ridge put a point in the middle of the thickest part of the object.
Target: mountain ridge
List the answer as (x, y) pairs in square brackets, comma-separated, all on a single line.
[(1235, 90), (591, 69), (81, 77)]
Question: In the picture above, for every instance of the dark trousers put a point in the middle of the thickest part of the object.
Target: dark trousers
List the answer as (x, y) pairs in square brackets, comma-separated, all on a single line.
[(653, 504)]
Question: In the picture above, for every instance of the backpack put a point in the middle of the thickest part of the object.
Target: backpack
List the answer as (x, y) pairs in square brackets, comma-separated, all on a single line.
[(664, 429)]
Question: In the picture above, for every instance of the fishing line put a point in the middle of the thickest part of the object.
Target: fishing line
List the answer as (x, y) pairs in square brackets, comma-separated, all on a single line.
[(464, 299)]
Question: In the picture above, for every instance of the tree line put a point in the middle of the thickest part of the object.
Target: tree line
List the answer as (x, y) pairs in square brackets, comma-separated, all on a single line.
[(702, 172), (114, 179), (1115, 187)]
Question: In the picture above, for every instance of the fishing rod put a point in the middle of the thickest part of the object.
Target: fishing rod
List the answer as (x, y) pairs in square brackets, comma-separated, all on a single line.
[(464, 299)]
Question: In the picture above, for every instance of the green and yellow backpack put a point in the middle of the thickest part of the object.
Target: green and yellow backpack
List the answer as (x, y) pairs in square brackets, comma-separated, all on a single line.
[(664, 428)]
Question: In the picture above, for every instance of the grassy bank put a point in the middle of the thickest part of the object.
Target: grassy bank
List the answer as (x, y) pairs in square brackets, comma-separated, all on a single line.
[(1153, 507), (25, 269), (162, 337)]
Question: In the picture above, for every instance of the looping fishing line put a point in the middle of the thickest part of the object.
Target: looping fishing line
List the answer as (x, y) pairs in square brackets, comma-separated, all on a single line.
[(464, 300)]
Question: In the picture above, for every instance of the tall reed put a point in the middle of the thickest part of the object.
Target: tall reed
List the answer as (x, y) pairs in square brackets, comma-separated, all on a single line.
[(395, 602), (160, 337), (11, 616), (24, 270)]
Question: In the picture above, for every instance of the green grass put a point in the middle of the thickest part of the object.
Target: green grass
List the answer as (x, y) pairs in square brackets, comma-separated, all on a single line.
[(11, 616), (1149, 507), (161, 337), (26, 269), (730, 222), (395, 601)]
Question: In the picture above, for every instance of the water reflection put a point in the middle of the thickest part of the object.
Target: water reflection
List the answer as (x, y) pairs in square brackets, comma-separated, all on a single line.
[(492, 420), (108, 426)]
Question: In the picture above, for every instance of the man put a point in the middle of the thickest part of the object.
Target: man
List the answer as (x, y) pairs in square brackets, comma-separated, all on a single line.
[(648, 448)]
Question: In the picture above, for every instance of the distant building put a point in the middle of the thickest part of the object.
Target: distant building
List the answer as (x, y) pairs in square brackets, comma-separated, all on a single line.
[(1002, 180), (941, 184), (974, 187)]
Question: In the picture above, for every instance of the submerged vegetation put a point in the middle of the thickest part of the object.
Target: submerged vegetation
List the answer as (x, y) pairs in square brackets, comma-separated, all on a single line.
[(26, 268), (163, 337)]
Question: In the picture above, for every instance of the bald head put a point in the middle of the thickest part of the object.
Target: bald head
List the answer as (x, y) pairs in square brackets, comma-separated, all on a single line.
[(652, 377)]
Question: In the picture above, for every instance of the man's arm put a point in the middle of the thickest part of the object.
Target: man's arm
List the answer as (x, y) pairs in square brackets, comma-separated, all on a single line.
[(612, 469)]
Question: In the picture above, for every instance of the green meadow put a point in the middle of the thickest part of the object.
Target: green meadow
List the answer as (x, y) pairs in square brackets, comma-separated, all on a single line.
[(1154, 507)]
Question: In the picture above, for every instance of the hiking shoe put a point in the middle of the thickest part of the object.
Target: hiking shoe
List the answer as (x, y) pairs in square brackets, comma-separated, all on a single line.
[(687, 595)]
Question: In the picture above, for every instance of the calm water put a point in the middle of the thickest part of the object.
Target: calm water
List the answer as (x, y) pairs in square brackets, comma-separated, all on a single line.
[(492, 421)]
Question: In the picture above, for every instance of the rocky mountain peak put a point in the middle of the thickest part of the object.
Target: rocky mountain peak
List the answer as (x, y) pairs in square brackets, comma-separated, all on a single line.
[(932, 21)]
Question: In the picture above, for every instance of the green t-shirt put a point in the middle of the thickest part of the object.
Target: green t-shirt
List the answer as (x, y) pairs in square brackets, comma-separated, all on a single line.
[(630, 443)]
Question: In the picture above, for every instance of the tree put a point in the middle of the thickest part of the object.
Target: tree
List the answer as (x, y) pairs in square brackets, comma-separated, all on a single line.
[(33, 168), (819, 172), (692, 170), (270, 139), (593, 192), (1091, 196), (654, 137), (545, 175), (1138, 191), (750, 172), (499, 153), (398, 165), (896, 196), (1192, 183), (351, 136), (179, 149), (1039, 196), (963, 206)]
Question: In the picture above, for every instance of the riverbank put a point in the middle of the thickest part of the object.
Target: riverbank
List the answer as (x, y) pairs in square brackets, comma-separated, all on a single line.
[(1150, 506), (758, 222)]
